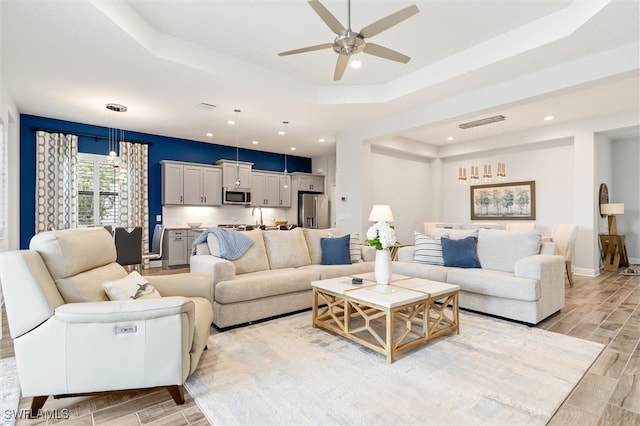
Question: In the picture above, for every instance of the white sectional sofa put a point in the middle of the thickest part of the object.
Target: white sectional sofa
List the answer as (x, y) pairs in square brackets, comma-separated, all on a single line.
[(520, 278), (274, 276)]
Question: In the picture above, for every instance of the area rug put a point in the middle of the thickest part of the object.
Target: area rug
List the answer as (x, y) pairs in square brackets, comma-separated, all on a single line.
[(286, 372), (10, 391), (632, 270)]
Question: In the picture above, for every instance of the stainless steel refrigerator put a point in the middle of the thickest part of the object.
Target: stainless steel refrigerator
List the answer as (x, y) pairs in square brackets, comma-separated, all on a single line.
[(313, 211)]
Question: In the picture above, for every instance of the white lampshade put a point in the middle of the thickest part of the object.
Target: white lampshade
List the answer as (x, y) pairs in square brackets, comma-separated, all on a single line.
[(381, 213), (614, 208)]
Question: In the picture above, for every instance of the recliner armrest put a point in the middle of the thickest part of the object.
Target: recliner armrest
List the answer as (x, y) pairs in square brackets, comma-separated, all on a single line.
[(128, 310)]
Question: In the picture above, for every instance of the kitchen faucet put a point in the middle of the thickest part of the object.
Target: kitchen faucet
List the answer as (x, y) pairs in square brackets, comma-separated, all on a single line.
[(260, 210)]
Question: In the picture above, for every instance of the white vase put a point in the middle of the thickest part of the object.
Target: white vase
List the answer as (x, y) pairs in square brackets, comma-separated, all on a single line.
[(383, 267)]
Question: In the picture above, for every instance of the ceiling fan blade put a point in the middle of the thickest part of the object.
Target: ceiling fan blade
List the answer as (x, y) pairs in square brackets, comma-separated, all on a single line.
[(383, 52), (307, 49), (389, 21), (341, 65), (327, 17)]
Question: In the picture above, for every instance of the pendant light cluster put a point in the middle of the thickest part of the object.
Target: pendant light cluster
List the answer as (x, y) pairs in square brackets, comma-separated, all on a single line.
[(487, 175), (115, 136)]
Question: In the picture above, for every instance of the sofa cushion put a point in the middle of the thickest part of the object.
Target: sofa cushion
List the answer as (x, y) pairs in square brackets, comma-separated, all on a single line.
[(460, 253), (427, 250), (335, 271), (500, 250), (133, 286), (335, 250), (495, 283), (419, 270), (454, 234), (257, 285), (286, 249), (312, 238), (255, 259)]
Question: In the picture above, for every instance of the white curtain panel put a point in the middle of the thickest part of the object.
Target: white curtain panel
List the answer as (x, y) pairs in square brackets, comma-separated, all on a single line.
[(134, 189), (56, 181)]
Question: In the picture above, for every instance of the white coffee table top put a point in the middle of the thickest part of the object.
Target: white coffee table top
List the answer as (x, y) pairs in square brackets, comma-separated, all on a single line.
[(434, 288), (339, 285), (387, 296)]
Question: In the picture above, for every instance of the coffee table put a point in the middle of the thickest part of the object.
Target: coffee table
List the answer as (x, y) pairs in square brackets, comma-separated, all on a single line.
[(368, 313)]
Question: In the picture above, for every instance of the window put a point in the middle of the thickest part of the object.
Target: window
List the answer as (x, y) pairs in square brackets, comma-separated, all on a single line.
[(97, 191)]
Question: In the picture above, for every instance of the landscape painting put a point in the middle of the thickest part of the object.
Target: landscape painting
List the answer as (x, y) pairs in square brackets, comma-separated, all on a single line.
[(504, 201)]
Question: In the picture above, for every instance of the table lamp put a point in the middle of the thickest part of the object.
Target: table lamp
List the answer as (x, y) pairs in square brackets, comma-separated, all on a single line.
[(611, 210), (381, 213)]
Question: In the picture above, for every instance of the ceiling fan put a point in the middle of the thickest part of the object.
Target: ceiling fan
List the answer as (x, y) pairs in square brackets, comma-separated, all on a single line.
[(349, 42)]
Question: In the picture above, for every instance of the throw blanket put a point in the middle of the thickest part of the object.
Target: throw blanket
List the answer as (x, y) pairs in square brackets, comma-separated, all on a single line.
[(232, 243)]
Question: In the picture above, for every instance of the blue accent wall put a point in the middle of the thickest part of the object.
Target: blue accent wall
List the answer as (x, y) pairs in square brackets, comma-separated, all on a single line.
[(160, 148)]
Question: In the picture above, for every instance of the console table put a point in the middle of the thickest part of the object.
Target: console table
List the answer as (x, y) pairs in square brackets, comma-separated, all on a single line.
[(614, 251)]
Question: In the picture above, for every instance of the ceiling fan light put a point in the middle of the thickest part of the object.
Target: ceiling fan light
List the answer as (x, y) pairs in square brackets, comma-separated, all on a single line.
[(356, 63)]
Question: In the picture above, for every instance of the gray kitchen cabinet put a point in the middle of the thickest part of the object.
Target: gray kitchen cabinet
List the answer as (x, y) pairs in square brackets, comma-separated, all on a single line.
[(232, 171), (177, 246), (310, 183), (265, 191), (191, 184), (172, 183), (174, 250)]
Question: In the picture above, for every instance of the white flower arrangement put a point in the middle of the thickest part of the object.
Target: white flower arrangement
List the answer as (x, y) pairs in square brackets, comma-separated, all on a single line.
[(381, 235)]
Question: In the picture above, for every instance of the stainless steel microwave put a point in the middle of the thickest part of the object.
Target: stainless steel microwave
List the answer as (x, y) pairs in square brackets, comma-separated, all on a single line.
[(236, 196)]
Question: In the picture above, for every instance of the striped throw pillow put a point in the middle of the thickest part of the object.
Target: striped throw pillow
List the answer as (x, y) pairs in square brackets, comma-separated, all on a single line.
[(427, 250), (354, 248)]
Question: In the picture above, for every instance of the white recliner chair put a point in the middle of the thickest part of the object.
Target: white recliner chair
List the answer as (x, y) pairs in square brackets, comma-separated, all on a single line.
[(70, 339)]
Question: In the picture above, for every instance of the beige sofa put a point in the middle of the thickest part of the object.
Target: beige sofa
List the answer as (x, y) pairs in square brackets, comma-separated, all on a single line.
[(521, 278), (274, 276)]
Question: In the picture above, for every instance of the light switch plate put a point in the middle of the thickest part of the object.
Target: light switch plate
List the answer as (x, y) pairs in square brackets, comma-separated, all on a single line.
[(158, 218)]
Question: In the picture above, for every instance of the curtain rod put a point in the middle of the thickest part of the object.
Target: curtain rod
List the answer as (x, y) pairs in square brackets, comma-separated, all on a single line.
[(86, 135)]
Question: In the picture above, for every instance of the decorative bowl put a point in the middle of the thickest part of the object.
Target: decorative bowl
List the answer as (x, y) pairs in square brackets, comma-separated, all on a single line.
[(194, 225)]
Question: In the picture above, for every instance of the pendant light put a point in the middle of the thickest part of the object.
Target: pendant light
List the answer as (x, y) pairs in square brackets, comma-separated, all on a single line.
[(237, 182), (286, 173), (115, 135)]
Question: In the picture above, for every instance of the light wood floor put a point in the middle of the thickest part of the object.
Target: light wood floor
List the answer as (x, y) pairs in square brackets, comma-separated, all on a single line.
[(604, 309)]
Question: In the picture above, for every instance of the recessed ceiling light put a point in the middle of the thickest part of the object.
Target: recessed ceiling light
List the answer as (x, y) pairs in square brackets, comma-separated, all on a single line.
[(450, 138), (293, 148), (209, 134), (321, 140), (281, 132), (231, 122), (549, 118), (255, 142)]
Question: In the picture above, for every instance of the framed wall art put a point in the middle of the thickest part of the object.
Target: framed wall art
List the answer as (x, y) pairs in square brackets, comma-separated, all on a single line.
[(504, 201)]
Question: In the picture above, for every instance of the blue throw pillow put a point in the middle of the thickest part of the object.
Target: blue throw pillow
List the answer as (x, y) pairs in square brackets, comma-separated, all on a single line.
[(460, 253), (335, 251)]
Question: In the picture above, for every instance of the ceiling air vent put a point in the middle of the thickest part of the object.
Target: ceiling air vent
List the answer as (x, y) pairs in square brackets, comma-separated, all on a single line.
[(204, 105)]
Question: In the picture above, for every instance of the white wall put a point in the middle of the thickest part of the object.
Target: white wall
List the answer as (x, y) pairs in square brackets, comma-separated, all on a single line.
[(625, 188), (404, 183)]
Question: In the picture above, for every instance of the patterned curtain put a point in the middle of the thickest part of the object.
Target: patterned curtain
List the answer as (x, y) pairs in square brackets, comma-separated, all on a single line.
[(56, 181), (134, 189)]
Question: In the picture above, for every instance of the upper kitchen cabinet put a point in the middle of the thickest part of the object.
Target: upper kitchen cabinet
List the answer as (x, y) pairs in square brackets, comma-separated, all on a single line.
[(309, 183), (233, 171), (267, 190), (191, 184), (172, 183)]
